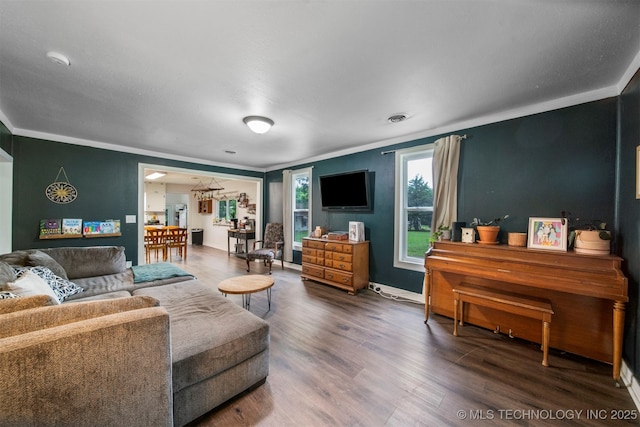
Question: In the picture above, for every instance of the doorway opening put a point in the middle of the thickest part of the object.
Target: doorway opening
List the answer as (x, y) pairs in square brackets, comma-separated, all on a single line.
[(175, 199)]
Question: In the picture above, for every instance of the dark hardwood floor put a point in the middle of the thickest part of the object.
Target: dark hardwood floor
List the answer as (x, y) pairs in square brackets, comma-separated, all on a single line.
[(340, 360)]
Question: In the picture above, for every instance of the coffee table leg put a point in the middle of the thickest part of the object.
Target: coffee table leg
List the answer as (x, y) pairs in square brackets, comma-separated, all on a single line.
[(246, 301), (269, 297)]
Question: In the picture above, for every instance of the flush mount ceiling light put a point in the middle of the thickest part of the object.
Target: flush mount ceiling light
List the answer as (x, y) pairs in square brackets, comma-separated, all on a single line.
[(258, 124), (155, 175), (397, 118), (58, 58)]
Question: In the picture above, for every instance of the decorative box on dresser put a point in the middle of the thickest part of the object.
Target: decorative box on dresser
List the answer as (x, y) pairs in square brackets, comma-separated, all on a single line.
[(340, 263)]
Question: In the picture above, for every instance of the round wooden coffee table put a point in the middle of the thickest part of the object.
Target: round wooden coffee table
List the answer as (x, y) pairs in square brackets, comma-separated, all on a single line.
[(247, 285)]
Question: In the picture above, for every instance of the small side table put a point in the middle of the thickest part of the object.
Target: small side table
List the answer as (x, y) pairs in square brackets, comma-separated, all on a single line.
[(239, 235), (247, 285)]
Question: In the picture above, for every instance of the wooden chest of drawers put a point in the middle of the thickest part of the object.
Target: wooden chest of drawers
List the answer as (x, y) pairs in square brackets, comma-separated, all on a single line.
[(340, 263)]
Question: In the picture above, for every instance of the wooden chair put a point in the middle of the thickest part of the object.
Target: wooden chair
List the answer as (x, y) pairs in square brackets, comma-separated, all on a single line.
[(272, 246), (177, 238), (155, 240)]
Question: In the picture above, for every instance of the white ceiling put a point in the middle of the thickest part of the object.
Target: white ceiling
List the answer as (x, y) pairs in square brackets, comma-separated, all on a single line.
[(176, 78)]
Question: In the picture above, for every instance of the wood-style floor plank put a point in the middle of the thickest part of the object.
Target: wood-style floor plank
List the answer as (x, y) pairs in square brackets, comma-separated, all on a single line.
[(341, 360)]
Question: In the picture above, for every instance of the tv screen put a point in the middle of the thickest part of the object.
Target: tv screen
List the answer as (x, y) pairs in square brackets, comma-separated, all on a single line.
[(347, 191)]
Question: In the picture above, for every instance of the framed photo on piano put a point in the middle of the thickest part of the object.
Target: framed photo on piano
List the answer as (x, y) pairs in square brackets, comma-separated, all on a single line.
[(547, 233)]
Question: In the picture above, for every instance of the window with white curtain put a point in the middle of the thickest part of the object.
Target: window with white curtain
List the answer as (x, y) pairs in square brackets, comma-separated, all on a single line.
[(300, 206), (413, 206)]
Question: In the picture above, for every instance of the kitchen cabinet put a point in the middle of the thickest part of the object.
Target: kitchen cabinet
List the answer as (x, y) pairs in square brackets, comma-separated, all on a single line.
[(154, 196), (205, 206)]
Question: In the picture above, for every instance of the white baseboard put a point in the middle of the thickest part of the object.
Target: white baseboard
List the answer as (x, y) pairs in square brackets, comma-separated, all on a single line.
[(633, 386), (292, 266), (396, 293)]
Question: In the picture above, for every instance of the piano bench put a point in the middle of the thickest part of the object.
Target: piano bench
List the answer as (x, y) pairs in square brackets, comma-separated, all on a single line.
[(523, 305)]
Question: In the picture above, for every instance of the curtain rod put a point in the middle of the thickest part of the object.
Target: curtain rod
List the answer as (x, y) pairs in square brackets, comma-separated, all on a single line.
[(393, 151)]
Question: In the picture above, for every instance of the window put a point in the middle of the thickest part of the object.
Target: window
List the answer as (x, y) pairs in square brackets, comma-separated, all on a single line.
[(226, 209), (414, 206), (301, 204)]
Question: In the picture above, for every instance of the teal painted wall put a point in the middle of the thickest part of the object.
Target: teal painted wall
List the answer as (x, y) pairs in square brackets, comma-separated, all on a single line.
[(628, 225), (532, 166), (107, 184), (541, 165)]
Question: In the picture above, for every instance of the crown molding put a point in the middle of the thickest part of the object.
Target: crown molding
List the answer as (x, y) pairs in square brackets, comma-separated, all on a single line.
[(513, 113), (629, 73), (121, 148)]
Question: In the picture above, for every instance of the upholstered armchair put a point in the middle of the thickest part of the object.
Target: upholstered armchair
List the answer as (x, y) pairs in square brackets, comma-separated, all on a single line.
[(271, 248)]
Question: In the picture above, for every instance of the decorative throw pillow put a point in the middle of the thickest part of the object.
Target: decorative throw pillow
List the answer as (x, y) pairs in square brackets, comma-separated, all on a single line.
[(29, 283), (8, 295), (16, 257), (6, 273), (40, 259), (62, 288)]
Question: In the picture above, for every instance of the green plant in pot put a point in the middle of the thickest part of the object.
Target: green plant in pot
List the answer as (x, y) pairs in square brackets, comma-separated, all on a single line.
[(442, 233), (488, 231), (591, 237)]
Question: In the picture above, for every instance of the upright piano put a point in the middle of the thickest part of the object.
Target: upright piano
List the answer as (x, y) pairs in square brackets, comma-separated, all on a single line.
[(588, 293)]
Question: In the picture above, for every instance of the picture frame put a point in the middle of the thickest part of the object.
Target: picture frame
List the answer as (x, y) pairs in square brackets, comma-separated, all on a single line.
[(548, 234), (638, 172)]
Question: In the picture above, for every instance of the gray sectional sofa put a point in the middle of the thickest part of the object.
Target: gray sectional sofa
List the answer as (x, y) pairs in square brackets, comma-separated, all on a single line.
[(163, 351)]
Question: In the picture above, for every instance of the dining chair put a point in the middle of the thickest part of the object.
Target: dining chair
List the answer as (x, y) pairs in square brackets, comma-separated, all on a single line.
[(177, 238), (155, 240)]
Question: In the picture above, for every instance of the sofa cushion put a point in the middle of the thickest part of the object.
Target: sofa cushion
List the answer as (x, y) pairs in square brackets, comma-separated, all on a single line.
[(110, 295), (117, 282), (7, 274), (29, 283), (91, 261), (209, 333), (39, 258), (62, 288)]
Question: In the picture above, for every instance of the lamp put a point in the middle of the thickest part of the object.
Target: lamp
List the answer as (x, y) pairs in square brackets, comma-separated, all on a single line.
[(258, 124)]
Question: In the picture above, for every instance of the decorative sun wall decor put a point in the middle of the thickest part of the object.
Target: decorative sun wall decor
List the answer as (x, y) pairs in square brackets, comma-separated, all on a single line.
[(61, 192)]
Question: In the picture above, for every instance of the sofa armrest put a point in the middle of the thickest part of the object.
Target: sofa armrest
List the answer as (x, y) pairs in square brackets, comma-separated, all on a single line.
[(24, 303), (33, 319), (110, 370)]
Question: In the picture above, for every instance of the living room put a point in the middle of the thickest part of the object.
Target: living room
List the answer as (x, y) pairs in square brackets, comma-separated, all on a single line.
[(576, 155)]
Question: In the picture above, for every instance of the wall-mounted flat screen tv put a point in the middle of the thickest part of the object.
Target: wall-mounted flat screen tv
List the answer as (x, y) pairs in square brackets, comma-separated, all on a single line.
[(348, 191)]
